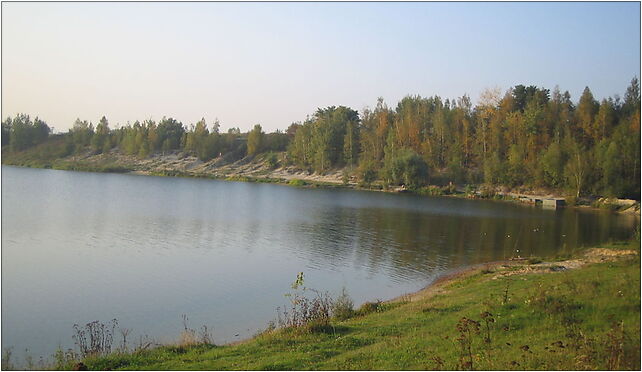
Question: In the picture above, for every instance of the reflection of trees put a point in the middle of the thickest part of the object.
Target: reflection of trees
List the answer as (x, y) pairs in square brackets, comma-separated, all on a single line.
[(413, 244)]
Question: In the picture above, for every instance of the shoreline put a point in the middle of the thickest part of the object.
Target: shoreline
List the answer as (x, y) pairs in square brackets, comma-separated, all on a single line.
[(428, 300), (589, 255), (490, 270), (312, 182)]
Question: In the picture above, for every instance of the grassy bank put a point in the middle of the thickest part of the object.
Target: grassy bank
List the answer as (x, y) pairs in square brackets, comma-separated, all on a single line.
[(582, 313)]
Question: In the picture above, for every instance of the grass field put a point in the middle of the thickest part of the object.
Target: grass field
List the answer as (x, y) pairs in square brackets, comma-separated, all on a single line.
[(545, 316)]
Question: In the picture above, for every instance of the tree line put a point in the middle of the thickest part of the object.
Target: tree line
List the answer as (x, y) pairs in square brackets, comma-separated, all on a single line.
[(527, 136)]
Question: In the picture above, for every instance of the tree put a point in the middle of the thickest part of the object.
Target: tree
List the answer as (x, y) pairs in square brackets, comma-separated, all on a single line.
[(300, 148), (81, 134), (100, 138), (553, 160), (255, 140), (170, 133), (6, 131), (632, 98), (328, 132), (576, 169), (200, 142), (488, 101), (586, 110), (351, 144), (21, 132)]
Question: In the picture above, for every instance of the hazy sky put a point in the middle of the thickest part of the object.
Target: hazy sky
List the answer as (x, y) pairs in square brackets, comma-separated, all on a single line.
[(275, 63)]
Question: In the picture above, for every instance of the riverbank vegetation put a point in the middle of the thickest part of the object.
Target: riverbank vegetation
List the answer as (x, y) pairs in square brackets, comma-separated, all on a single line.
[(571, 313), (526, 137)]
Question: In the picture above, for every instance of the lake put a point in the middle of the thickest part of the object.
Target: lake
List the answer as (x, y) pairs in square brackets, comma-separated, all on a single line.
[(78, 247)]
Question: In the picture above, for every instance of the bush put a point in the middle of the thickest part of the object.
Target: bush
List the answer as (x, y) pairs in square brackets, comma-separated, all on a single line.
[(405, 167), (367, 174), (306, 313), (470, 190), (487, 192), (272, 160), (571, 200), (431, 190), (370, 307), (297, 182), (342, 307), (345, 177)]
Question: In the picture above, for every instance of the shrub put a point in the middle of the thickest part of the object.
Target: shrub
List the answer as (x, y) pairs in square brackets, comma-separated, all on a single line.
[(431, 190), (306, 313), (470, 191), (272, 160), (370, 307), (487, 192), (571, 200), (6, 359), (64, 360), (367, 174), (95, 338), (342, 307), (345, 177), (405, 167), (297, 182)]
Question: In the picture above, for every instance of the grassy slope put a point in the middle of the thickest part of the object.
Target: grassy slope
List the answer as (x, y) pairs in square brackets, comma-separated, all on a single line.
[(585, 318), (53, 154)]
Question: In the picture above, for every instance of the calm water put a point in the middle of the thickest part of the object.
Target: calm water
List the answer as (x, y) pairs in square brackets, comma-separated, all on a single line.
[(78, 247)]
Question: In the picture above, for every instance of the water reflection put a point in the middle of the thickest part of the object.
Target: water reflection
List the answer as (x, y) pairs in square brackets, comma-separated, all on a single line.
[(79, 246), (410, 243)]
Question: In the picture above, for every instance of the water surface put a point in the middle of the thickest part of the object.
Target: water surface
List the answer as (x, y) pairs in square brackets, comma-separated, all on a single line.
[(78, 247)]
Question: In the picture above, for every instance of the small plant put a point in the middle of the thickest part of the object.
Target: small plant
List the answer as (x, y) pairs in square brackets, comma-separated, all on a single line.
[(488, 319), (467, 329), (65, 360), (205, 336), (505, 297), (95, 338), (144, 342), (615, 346), (29, 364), (124, 332), (188, 335), (6, 359)]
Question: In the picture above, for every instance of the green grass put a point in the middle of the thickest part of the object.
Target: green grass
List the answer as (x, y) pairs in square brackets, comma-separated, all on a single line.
[(587, 318), (43, 155), (53, 154)]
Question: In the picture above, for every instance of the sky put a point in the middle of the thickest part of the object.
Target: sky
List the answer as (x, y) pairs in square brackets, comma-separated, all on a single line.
[(275, 63)]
